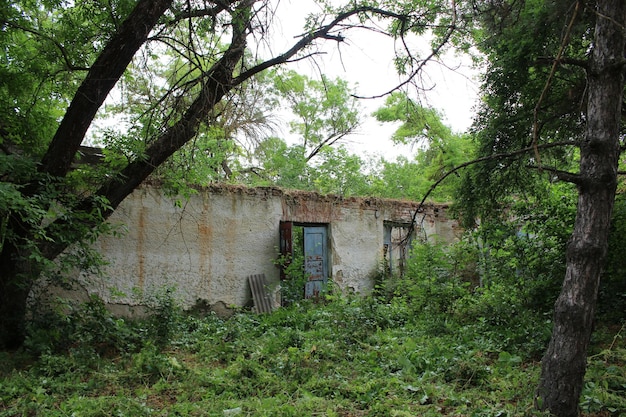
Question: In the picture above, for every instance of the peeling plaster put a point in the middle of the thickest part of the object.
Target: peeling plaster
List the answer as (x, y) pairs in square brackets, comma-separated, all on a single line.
[(206, 249)]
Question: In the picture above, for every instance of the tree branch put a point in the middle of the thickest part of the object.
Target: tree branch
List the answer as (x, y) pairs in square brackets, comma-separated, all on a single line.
[(549, 60), (507, 155), (207, 12), (68, 63), (562, 175), (102, 77), (306, 39)]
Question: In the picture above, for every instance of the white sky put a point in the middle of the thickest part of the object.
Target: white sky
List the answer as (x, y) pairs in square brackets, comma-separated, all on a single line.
[(366, 60)]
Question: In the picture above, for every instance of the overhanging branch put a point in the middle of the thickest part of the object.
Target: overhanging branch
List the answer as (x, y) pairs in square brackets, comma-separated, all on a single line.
[(102, 77), (561, 175), (323, 32), (507, 155)]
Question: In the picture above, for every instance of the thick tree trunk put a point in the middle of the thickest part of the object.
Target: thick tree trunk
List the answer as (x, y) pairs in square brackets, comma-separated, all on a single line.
[(15, 283), (102, 77), (15, 286), (17, 278), (564, 363)]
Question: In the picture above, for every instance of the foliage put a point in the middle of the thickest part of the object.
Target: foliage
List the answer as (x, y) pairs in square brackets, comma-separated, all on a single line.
[(439, 150), (512, 117), (420, 125), (340, 172), (325, 110), (51, 215), (292, 287), (281, 165), (612, 296), (89, 331), (435, 279), (348, 356), (397, 179), (528, 248)]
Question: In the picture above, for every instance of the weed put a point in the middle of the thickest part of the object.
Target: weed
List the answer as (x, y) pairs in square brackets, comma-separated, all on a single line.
[(350, 356)]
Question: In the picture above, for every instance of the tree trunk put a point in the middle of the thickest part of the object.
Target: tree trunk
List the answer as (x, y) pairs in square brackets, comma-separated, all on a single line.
[(16, 282), (564, 363), (15, 286), (102, 77), (18, 273)]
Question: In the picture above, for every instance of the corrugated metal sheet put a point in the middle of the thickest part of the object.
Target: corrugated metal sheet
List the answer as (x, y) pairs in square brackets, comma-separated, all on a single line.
[(260, 293)]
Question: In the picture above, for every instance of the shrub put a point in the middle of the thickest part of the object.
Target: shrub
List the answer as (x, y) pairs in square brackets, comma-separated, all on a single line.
[(87, 329), (433, 280), (164, 316)]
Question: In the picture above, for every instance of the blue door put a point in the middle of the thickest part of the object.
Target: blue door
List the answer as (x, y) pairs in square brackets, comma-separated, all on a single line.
[(315, 260)]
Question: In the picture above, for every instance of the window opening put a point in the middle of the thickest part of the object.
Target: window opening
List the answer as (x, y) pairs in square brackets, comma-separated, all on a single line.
[(397, 242)]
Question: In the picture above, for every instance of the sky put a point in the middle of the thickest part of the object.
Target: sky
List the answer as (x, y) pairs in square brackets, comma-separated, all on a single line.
[(365, 59)]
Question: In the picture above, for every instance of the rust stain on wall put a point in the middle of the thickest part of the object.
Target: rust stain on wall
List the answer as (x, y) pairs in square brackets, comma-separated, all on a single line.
[(141, 224), (205, 238), (231, 252)]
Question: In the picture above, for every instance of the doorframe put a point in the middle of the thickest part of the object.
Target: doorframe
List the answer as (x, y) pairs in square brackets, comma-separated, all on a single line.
[(287, 248)]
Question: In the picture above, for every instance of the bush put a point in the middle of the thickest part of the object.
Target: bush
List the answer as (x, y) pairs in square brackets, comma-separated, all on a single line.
[(442, 288), (434, 279), (164, 316), (87, 329), (90, 330)]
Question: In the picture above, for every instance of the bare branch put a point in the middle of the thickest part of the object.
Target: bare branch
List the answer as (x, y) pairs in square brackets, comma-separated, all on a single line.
[(507, 155), (323, 32), (435, 52), (329, 141)]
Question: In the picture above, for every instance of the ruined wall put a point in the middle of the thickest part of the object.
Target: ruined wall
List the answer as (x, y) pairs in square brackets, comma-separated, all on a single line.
[(207, 247)]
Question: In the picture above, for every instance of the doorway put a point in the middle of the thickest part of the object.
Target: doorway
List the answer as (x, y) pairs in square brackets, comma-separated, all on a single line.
[(304, 246)]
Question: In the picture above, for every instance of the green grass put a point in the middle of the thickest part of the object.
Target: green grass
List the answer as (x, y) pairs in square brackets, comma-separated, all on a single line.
[(347, 357)]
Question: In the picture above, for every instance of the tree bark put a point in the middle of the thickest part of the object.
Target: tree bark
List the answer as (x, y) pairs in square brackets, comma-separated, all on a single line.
[(102, 77), (15, 285), (564, 362)]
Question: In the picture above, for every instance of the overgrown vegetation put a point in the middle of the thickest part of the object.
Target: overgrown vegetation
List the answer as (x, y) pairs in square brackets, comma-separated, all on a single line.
[(432, 343)]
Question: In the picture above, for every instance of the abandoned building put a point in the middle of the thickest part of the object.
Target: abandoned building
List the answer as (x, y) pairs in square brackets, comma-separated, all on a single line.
[(208, 246)]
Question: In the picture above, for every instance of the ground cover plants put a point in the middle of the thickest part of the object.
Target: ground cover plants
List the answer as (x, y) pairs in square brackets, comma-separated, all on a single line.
[(412, 348), (460, 334)]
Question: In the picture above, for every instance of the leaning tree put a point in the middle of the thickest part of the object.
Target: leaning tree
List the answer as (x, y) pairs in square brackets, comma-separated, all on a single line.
[(63, 59)]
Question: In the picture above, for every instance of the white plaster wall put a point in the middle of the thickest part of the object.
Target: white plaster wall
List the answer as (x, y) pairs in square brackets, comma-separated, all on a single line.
[(206, 249), (357, 242)]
